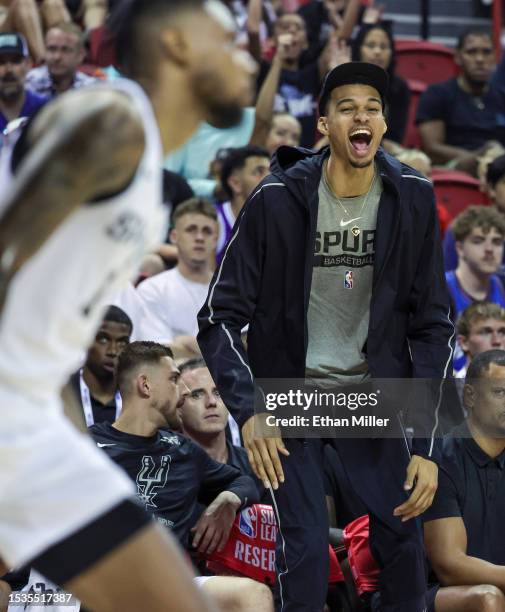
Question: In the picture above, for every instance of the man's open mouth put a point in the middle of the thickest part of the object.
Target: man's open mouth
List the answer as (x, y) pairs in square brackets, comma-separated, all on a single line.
[(360, 140)]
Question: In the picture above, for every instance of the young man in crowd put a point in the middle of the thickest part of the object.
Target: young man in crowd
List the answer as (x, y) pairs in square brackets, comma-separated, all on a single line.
[(323, 275), (64, 54), (171, 473), (58, 270), (464, 529), (95, 383), (204, 417), (457, 118), (480, 328), (15, 100), (172, 299), (242, 170), (479, 233), (285, 130), (495, 186)]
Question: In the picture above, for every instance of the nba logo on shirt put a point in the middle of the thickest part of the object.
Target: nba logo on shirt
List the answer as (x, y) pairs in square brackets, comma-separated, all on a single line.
[(247, 522), (348, 280)]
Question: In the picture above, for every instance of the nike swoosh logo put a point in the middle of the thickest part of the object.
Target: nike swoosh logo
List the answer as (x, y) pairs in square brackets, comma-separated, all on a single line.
[(344, 223), (103, 445)]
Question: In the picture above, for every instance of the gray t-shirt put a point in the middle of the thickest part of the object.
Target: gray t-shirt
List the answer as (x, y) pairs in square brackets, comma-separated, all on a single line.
[(339, 306)]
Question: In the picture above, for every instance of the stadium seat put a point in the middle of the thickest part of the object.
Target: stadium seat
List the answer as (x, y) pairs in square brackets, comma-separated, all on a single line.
[(456, 190), (424, 61), (412, 138), (101, 48)]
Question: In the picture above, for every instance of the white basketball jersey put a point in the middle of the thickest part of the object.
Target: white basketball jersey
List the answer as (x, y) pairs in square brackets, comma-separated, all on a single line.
[(56, 301)]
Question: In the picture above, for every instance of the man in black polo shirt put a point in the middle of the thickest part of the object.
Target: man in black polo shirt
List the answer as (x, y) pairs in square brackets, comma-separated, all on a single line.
[(95, 383), (459, 117), (464, 529)]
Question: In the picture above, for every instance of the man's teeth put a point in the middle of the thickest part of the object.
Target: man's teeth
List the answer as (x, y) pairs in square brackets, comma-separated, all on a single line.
[(360, 132)]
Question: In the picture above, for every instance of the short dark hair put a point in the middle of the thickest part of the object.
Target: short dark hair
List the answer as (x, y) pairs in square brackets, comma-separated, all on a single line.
[(473, 31), (114, 314), (235, 160), (135, 355), (480, 364), (198, 206), (192, 364), (495, 170), (127, 24)]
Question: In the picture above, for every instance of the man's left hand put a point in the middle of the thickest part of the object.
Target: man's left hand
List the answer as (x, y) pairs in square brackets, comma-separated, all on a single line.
[(213, 527), (424, 473)]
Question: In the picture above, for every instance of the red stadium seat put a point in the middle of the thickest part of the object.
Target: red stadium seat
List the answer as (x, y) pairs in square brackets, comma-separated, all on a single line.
[(412, 138), (101, 48), (424, 61), (456, 190)]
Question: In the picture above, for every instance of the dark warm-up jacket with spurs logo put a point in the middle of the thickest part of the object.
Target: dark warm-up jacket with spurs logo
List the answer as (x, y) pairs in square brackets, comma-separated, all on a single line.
[(264, 280), (172, 475)]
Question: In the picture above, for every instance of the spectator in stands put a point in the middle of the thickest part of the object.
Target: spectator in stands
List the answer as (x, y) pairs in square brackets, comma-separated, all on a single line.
[(30, 17), (241, 172), (458, 118), (195, 159), (204, 417), (321, 20), (64, 53), (15, 100), (173, 473), (479, 232), (173, 298), (374, 43), (95, 383), (286, 130), (463, 529), (480, 328), (299, 86), (495, 186)]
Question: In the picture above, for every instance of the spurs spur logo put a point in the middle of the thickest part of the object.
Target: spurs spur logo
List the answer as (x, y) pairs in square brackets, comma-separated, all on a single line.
[(151, 478)]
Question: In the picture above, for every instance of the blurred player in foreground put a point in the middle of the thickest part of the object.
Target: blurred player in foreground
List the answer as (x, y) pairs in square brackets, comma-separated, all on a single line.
[(83, 205)]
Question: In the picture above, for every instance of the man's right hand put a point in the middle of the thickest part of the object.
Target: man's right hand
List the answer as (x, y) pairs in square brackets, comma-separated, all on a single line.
[(263, 453)]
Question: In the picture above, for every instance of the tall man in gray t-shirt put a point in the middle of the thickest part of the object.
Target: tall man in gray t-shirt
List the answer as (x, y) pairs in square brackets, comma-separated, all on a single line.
[(335, 262)]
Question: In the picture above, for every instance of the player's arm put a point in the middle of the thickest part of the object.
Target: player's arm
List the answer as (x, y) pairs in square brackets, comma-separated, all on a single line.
[(218, 477), (83, 146), (433, 136), (446, 546), (228, 309), (229, 491)]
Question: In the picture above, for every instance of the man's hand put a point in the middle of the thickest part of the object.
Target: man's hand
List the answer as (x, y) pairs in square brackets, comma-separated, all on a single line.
[(213, 527), (373, 14), (339, 52), (424, 473), (284, 43), (263, 453)]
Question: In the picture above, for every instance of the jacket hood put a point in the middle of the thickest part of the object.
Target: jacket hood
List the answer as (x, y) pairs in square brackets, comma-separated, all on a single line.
[(300, 169)]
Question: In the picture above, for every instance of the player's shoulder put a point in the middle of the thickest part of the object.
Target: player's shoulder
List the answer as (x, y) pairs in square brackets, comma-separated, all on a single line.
[(178, 443)]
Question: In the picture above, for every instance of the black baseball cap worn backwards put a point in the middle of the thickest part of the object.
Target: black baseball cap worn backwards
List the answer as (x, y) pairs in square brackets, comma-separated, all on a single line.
[(354, 73)]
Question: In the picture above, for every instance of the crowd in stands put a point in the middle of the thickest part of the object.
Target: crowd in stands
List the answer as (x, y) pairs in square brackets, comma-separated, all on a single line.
[(48, 47)]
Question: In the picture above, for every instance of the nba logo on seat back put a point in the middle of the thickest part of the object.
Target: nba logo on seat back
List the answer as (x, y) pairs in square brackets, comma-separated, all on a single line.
[(248, 522)]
